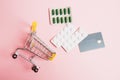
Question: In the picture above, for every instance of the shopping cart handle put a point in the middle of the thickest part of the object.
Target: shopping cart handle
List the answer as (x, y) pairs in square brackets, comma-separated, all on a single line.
[(34, 26)]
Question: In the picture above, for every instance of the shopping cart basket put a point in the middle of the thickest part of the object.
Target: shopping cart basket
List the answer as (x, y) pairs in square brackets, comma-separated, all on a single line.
[(37, 47)]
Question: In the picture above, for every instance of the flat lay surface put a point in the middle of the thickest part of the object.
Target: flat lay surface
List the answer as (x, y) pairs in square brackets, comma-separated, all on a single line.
[(92, 16)]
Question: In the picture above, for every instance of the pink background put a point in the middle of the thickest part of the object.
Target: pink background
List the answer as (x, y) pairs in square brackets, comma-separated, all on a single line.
[(92, 15)]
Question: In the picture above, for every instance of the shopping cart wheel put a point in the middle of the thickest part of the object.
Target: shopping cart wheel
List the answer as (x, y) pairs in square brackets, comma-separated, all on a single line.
[(14, 56), (35, 69)]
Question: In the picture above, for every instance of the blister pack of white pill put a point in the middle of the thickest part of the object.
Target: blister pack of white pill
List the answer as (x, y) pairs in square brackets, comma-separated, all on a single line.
[(69, 37), (64, 34), (74, 39)]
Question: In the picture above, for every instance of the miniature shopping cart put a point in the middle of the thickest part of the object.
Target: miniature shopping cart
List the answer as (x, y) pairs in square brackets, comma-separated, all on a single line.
[(35, 46)]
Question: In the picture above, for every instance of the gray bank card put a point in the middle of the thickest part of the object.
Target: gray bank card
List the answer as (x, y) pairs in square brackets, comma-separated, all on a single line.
[(92, 41)]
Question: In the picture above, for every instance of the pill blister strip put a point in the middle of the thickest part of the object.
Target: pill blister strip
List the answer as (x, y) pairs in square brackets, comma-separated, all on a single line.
[(60, 15), (68, 37), (74, 40), (64, 34)]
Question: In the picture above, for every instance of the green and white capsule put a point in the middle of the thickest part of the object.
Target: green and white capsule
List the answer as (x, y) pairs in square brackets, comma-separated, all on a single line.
[(64, 11), (61, 20), (61, 12), (69, 12), (53, 12), (70, 19), (56, 11), (53, 20), (65, 19), (57, 19)]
